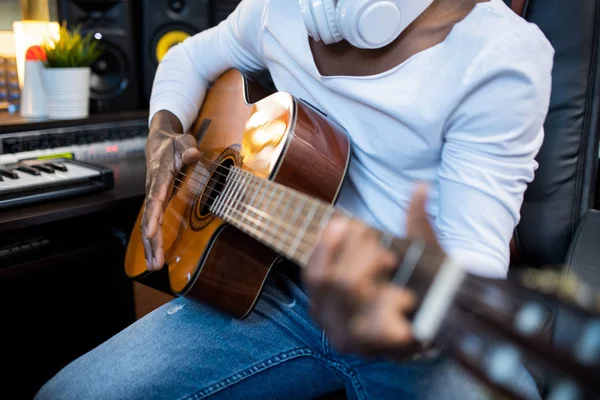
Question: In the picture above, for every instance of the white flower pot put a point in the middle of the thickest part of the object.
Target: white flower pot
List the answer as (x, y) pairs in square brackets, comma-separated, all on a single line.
[(67, 92)]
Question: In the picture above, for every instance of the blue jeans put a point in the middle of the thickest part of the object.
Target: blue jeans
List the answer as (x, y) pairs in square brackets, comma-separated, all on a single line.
[(184, 350)]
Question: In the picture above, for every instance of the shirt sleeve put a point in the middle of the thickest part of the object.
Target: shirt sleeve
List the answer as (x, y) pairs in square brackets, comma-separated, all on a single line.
[(491, 141), (187, 69)]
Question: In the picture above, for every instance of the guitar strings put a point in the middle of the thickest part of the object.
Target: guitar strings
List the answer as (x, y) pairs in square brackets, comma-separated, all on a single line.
[(211, 175), (250, 217), (253, 222), (248, 208), (281, 226), (283, 231)]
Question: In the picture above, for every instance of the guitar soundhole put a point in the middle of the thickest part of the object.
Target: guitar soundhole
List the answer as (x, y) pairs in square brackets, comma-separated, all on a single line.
[(200, 215), (214, 187)]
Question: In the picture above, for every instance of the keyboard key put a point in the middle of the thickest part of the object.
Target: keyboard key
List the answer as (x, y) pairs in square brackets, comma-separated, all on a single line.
[(33, 178), (57, 166), (28, 170), (44, 168), (8, 173)]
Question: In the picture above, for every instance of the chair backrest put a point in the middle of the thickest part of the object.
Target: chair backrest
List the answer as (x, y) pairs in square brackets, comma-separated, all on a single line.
[(565, 184)]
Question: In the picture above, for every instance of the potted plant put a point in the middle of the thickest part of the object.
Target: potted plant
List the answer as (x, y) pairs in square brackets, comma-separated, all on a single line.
[(67, 71)]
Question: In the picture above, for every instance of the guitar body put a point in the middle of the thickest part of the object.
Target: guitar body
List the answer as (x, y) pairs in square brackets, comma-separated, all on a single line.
[(274, 136)]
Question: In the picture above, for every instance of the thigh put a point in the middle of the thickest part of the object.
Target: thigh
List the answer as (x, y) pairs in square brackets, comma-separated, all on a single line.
[(186, 350)]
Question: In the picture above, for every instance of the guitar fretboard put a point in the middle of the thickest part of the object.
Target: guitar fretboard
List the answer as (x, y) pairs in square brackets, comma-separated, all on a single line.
[(281, 218)]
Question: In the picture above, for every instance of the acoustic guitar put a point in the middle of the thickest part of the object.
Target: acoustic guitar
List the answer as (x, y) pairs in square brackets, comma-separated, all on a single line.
[(271, 169)]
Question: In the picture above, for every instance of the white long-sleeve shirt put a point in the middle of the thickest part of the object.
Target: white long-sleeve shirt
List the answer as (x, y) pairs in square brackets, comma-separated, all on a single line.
[(465, 116)]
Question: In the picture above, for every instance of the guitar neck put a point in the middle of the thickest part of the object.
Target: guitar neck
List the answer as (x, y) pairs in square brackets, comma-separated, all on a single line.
[(291, 223), (283, 219)]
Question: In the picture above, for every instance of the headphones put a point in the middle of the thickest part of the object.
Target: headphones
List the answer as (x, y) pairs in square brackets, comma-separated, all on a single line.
[(367, 24)]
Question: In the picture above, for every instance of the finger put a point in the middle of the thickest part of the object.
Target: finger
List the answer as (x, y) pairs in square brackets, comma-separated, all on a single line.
[(326, 250), (362, 258), (157, 246), (186, 149), (418, 224), (384, 325), (397, 299), (146, 244), (160, 186), (154, 211)]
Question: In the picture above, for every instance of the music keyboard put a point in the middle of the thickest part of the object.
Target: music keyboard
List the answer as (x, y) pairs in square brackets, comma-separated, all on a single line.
[(32, 181)]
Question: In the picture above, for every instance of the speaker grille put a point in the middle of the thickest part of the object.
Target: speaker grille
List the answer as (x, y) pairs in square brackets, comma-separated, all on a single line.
[(220, 9)]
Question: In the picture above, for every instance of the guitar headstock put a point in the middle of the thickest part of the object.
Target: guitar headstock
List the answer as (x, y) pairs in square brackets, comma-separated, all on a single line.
[(562, 285), (493, 327), (499, 325), (544, 319)]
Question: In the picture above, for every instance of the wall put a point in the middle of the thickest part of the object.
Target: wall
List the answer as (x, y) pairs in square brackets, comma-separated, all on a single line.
[(10, 10)]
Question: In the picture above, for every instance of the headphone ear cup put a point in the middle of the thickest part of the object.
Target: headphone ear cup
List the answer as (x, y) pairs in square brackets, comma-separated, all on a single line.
[(309, 19), (320, 20), (330, 8), (370, 24), (325, 20)]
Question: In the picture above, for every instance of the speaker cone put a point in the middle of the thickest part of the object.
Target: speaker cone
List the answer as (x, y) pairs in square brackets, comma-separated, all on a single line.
[(168, 40), (108, 73)]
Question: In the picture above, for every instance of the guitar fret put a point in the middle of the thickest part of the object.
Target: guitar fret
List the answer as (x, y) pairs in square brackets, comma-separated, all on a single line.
[(253, 180), (280, 217), (223, 196), (302, 230), (239, 191), (269, 217), (227, 202), (250, 204), (296, 211), (310, 241), (261, 184), (284, 217)]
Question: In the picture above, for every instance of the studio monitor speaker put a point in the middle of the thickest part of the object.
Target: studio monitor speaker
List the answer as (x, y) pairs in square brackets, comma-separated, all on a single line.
[(166, 23), (220, 9), (114, 80)]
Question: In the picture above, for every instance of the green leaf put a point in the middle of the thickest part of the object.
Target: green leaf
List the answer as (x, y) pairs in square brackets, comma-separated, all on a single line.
[(72, 50)]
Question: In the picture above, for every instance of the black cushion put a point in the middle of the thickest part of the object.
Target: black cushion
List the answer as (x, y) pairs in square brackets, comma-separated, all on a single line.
[(564, 187)]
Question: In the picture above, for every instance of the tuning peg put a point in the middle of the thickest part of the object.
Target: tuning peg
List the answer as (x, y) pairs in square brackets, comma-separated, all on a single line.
[(563, 285), (564, 390), (587, 348), (544, 281), (503, 361), (529, 320)]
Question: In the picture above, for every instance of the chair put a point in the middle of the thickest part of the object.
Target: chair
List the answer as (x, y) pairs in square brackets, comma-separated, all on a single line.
[(560, 221), (564, 189)]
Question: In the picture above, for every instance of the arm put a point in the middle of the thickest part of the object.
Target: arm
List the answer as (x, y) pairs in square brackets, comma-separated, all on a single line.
[(184, 74), (488, 159), (180, 84)]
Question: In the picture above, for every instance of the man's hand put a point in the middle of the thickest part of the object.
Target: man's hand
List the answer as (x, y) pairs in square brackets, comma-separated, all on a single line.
[(348, 282), (167, 150)]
